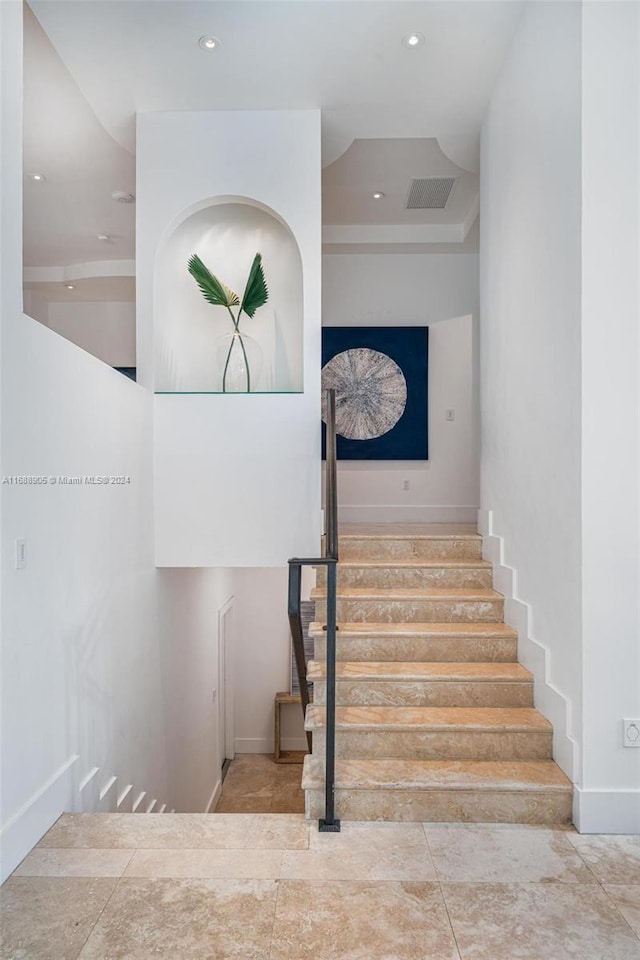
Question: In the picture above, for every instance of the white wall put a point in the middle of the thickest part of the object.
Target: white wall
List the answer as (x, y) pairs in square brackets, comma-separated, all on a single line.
[(530, 326), (237, 476), (106, 330), (107, 662), (397, 289), (188, 604), (441, 291), (35, 306), (609, 797), (261, 664), (108, 665), (559, 377)]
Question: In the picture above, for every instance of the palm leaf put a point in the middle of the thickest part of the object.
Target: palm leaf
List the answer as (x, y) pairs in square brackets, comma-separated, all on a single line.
[(212, 289), (255, 292)]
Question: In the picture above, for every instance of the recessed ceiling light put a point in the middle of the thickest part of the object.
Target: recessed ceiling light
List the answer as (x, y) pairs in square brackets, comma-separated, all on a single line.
[(120, 196), (208, 43), (69, 286), (378, 195), (104, 236), (413, 40), (38, 177)]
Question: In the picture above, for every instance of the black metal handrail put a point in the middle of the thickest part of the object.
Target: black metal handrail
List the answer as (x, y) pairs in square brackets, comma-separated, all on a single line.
[(328, 824)]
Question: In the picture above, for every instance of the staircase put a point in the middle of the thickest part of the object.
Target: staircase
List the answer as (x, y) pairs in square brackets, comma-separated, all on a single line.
[(434, 718)]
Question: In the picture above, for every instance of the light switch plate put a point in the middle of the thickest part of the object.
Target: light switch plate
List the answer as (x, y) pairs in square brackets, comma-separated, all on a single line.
[(21, 554)]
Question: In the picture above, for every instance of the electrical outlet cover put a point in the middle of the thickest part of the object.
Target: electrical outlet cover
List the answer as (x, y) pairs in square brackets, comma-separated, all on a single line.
[(631, 732)]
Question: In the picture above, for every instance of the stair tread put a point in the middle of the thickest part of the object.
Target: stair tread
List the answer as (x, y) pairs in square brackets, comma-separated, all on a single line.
[(481, 775), (420, 564), (506, 719), (400, 535), (412, 671), (382, 770), (410, 593), (455, 629)]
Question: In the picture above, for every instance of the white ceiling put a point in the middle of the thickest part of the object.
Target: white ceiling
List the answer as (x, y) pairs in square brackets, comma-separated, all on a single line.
[(351, 214), (112, 58), (82, 164), (343, 56)]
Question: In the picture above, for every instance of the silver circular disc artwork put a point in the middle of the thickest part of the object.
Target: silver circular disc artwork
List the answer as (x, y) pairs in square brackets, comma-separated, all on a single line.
[(371, 393)]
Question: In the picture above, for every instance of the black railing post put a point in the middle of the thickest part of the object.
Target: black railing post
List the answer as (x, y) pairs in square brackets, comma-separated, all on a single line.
[(295, 624), (331, 479), (328, 824)]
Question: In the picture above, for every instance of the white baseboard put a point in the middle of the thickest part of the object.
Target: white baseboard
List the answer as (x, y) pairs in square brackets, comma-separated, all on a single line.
[(214, 797), (606, 811), (36, 815), (404, 513), (256, 745), (265, 744), (550, 701)]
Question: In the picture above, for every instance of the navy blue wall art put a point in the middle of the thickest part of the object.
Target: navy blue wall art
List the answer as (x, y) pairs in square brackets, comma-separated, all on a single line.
[(380, 375)]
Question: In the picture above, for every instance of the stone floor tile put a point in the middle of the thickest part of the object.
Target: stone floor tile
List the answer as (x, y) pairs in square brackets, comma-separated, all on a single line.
[(185, 920), (537, 921), (249, 762), (349, 920), (70, 862), (237, 803), (363, 851), (627, 899), (46, 918), (613, 859), (221, 864), (287, 798), (251, 781), (256, 784), (176, 830), (482, 853), (295, 805), (274, 831)]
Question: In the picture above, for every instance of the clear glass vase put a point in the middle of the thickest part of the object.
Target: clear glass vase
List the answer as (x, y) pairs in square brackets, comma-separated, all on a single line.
[(239, 359)]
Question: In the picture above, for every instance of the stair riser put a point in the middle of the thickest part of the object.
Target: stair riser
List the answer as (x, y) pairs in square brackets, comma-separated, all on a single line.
[(450, 806), (401, 549), (414, 611), (447, 578), (438, 745), (427, 693), (423, 649)]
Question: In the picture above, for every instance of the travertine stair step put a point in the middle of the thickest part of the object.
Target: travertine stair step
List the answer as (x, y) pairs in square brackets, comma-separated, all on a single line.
[(446, 642), (425, 684), (396, 546), (434, 718), (382, 605), (447, 791), (434, 733), (408, 574)]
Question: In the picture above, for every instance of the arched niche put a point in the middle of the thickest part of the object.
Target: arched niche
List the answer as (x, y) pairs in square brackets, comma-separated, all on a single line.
[(226, 233)]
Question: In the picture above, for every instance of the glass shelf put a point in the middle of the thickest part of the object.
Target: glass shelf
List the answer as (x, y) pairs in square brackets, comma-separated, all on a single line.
[(228, 393)]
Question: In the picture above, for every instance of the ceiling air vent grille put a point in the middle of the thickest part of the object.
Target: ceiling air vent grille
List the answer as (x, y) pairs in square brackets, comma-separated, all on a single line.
[(429, 193)]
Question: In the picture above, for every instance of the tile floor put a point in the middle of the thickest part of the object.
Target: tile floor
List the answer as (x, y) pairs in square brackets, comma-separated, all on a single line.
[(269, 887), (255, 784)]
